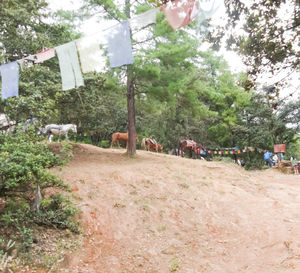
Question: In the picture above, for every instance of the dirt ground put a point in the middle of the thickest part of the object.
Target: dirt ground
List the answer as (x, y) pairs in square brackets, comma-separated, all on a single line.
[(161, 213)]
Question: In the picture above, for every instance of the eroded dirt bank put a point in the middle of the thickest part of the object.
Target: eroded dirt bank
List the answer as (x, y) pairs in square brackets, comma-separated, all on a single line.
[(160, 213)]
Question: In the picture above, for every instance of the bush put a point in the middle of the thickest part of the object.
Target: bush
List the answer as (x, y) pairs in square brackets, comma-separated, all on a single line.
[(22, 165), (24, 160), (254, 161), (105, 143)]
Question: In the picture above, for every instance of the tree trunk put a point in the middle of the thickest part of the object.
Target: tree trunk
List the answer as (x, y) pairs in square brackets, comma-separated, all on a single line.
[(131, 147), (37, 199)]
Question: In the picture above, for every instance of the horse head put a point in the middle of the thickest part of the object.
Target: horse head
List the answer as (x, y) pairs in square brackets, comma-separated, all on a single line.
[(74, 128), (159, 148)]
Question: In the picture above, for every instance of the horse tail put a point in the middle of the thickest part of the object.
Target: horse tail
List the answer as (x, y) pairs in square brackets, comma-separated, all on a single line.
[(113, 139), (179, 144), (143, 145)]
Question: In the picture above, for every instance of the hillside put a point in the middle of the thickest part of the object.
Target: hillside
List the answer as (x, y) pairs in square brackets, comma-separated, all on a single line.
[(161, 213)]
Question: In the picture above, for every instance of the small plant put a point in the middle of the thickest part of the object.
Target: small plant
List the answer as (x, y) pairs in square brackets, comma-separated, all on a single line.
[(105, 143), (174, 265), (5, 259), (26, 237), (184, 185)]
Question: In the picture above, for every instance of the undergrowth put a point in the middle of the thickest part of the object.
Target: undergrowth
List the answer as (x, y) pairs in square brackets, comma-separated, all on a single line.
[(30, 197)]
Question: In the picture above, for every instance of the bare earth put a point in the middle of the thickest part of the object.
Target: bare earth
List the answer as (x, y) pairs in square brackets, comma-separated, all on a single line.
[(161, 213)]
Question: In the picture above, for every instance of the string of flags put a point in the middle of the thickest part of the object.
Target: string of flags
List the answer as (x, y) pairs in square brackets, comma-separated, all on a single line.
[(232, 151), (87, 53)]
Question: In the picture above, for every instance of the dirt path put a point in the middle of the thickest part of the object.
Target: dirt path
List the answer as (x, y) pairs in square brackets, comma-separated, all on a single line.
[(161, 213)]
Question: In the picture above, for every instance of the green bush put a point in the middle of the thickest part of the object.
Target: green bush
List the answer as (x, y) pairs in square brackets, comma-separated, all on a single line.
[(254, 161), (24, 163), (105, 143)]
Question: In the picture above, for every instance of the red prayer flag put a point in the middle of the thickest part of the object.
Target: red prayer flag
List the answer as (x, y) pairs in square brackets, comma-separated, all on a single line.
[(44, 55), (180, 13)]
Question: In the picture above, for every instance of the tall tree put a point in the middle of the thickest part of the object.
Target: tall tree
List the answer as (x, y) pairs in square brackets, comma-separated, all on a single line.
[(119, 13)]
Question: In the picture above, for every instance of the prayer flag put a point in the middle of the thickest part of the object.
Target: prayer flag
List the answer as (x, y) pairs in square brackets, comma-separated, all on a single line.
[(205, 9), (119, 45), (44, 55), (179, 13), (10, 80), (91, 56), (69, 66), (144, 19)]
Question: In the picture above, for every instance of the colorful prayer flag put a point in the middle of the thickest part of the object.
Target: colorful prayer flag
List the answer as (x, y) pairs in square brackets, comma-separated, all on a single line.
[(10, 80)]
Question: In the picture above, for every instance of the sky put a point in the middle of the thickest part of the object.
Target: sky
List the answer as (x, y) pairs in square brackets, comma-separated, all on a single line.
[(92, 25)]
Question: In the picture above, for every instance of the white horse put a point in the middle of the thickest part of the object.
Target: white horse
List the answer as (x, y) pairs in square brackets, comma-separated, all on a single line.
[(59, 130)]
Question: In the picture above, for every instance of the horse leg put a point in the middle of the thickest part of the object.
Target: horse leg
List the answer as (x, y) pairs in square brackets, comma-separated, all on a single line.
[(50, 136)]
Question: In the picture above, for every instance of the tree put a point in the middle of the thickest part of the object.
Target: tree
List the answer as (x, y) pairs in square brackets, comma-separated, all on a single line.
[(23, 32), (266, 35), (259, 125)]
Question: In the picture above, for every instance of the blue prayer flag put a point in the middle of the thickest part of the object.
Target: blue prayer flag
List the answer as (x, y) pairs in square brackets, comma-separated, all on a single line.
[(10, 80), (119, 45)]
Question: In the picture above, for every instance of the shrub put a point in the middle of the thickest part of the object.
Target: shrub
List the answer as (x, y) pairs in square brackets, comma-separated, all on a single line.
[(105, 143), (24, 160)]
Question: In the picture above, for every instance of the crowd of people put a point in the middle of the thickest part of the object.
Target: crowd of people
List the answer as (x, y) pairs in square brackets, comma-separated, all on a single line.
[(271, 160)]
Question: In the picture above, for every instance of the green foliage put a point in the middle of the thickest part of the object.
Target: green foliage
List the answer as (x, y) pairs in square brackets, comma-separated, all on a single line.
[(293, 148), (22, 164), (24, 160), (58, 212), (105, 143), (268, 42)]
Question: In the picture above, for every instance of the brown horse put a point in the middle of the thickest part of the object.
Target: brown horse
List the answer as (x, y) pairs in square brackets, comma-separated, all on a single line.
[(117, 137), (187, 145), (151, 144)]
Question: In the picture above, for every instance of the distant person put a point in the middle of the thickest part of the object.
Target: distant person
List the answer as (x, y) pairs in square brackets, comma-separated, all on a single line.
[(275, 159), (294, 162), (267, 158), (281, 156), (240, 162)]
